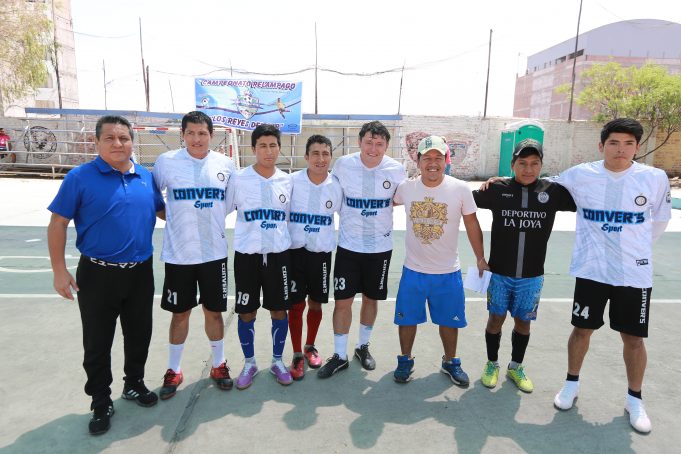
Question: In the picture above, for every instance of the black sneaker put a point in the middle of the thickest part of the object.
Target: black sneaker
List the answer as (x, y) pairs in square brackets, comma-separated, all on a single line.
[(333, 365), (364, 357), (138, 392), (101, 419)]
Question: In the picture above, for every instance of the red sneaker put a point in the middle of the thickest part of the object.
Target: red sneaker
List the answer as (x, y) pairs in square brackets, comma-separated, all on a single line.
[(221, 376), (171, 381), (297, 368), (313, 358)]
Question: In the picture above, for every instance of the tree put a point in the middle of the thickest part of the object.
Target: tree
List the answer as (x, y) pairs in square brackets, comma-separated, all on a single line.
[(25, 45), (649, 94)]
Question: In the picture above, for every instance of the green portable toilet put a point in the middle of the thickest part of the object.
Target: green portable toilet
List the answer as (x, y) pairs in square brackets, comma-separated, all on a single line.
[(511, 135)]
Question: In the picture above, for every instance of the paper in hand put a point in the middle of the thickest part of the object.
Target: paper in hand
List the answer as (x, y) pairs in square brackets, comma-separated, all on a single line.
[(476, 283)]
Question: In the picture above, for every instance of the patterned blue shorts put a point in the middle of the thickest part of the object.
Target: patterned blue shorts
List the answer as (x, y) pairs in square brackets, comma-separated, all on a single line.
[(519, 296)]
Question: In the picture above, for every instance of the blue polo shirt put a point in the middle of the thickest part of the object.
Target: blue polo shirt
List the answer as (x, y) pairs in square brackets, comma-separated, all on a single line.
[(114, 213)]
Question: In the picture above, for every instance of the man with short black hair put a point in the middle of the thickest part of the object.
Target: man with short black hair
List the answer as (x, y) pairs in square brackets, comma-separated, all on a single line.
[(261, 194), (113, 203), (622, 208), (315, 198), (523, 210), (369, 180), (195, 179)]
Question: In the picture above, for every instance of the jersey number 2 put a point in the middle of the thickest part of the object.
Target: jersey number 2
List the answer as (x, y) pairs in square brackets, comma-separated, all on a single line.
[(584, 313)]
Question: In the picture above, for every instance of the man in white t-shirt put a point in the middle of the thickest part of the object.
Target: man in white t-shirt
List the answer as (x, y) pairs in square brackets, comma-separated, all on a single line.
[(316, 197), (368, 179), (195, 180), (261, 194), (622, 208), (435, 204)]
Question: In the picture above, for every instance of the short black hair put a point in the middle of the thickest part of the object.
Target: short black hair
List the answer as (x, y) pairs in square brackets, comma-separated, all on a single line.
[(625, 125), (265, 130), (375, 128), (197, 118), (112, 119), (317, 138)]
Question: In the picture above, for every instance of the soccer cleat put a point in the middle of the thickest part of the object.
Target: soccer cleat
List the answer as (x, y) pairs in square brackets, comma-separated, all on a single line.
[(638, 418), (221, 376), (314, 361), (245, 378), (297, 368), (364, 357), (566, 396), (405, 367), (333, 365), (138, 392), (521, 380), (455, 372), (490, 375), (279, 370), (171, 381), (101, 419)]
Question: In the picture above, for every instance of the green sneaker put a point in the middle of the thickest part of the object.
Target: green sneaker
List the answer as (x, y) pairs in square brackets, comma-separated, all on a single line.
[(520, 379), (490, 375)]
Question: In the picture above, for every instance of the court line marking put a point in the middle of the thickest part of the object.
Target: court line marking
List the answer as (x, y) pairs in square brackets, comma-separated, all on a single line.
[(39, 270), (391, 300)]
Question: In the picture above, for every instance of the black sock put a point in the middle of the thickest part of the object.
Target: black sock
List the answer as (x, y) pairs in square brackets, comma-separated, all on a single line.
[(571, 377), (636, 394), (492, 341), (519, 345)]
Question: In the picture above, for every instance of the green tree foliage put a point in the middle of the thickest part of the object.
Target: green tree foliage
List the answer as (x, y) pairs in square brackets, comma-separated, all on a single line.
[(25, 46), (649, 94)]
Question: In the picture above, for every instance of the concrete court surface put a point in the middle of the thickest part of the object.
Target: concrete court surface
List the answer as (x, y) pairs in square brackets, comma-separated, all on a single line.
[(45, 410)]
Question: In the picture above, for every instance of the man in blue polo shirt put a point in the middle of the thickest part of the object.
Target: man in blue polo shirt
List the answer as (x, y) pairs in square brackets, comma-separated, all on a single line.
[(113, 203)]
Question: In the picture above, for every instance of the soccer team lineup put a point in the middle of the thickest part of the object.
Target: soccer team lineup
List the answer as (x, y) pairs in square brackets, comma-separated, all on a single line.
[(291, 261)]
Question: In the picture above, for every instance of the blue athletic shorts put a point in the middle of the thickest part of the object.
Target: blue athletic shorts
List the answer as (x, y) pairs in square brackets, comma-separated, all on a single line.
[(517, 295), (443, 293)]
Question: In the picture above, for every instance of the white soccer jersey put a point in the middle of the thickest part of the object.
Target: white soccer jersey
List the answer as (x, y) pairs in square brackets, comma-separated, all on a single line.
[(262, 206), (196, 205), (613, 239), (366, 216), (312, 207)]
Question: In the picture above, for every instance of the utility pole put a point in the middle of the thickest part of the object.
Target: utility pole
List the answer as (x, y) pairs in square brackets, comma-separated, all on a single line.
[(104, 74), (574, 63), (316, 110), (399, 99), (489, 59), (145, 69), (56, 54), (172, 100)]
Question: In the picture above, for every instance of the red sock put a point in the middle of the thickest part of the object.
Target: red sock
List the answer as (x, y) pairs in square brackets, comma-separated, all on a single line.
[(295, 325), (314, 318)]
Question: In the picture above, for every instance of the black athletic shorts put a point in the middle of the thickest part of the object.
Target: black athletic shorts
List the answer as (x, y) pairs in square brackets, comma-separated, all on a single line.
[(269, 272), (180, 285), (629, 307), (310, 275), (357, 272)]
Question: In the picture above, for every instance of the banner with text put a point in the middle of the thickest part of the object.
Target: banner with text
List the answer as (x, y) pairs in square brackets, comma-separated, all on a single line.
[(244, 104)]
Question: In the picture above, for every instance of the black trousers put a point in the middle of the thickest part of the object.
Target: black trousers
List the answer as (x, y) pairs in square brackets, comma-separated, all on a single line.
[(106, 293)]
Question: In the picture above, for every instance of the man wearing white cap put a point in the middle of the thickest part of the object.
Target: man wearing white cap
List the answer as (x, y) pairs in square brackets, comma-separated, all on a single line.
[(435, 204)]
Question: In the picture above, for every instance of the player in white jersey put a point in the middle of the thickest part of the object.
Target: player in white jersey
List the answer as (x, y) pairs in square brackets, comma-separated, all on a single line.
[(622, 208), (435, 204), (195, 179), (316, 197), (369, 180), (261, 194)]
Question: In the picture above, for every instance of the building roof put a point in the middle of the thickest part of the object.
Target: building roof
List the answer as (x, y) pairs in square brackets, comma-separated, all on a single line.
[(644, 38)]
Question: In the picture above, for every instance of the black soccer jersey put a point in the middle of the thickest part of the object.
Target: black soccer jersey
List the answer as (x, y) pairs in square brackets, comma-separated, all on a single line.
[(522, 221)]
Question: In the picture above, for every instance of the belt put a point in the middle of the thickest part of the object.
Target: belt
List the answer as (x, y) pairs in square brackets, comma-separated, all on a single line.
[(104, 263)]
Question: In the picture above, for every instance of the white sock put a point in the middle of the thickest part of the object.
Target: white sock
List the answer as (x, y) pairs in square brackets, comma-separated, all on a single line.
[(217, 348), (513, 365), (340, 345), (250, 360), (175, 357), (364, 334)]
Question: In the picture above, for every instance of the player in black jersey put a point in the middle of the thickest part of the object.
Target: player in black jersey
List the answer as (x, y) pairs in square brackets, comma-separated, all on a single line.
[(523, 209)]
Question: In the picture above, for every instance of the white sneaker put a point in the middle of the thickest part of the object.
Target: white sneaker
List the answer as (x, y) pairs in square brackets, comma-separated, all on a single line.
[(566, 396), (638, 418)]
